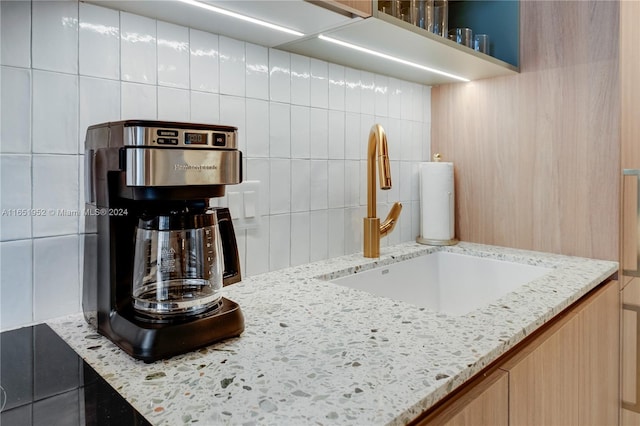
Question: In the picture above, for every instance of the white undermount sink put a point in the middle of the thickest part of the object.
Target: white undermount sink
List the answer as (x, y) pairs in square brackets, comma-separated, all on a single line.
[(452, 283)]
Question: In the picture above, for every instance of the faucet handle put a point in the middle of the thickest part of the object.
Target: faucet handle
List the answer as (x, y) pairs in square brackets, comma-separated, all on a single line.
[(391, 220)]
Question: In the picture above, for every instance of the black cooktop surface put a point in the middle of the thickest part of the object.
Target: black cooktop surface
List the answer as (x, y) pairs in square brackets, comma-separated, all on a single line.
[(44, 382)]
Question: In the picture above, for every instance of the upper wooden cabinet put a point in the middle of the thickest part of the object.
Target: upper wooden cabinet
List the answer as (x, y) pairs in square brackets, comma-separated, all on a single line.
[(359, 7), (357, 22)]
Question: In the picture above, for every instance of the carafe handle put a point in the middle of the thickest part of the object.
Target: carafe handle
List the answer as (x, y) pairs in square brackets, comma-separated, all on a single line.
[(231, 257)]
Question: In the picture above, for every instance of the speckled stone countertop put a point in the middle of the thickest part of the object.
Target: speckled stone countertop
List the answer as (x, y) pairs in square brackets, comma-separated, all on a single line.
[(314, 352)]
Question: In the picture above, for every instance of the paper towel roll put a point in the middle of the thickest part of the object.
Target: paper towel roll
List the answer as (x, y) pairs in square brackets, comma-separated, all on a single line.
[(437, 202)]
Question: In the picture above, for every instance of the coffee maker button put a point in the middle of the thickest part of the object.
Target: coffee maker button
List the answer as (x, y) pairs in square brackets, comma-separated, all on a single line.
[(167, 141), (163, 132), (219, 139)]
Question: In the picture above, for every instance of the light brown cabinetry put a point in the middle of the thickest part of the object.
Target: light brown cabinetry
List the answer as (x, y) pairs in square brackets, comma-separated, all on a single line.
[(629, 236), (567, 374), (630, 344), (358, 7), (543, 378), (483, 403), (599, 357)]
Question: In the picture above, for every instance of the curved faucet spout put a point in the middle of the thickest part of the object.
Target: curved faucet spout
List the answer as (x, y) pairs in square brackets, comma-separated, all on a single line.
[(373, 231)]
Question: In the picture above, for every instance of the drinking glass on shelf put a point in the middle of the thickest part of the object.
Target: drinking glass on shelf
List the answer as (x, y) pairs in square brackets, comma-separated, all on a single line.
[(481, 43), (441, 17), (464, 36), (426, 14)]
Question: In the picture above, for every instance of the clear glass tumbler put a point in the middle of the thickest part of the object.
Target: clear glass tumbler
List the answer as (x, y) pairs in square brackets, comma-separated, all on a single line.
[(178, 264), (441, 17)]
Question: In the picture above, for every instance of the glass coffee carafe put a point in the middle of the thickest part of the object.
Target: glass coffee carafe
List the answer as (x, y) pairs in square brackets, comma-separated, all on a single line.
[(178, 264)]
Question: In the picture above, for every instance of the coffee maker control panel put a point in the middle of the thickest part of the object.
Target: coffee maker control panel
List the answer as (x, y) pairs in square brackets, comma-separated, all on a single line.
[(181, 138), (161, 134)]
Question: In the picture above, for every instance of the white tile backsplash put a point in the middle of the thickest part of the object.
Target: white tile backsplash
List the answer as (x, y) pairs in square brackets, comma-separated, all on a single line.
[(205, 107), (15, 120), (279, 130), (55, 113), (404, 223), (279, 76), (232, 66), (319, 185), (353, 228), (279, 241), (319, 235), (353, 90), (300, 130), (319, 84), (319, 133), (56, 277), (300, 232), (336, 135), (258, 248), (258, 169), (336, 87), (395, 98), (54, 33), (280, 181), (15, 196), (300, 184), (300, 80), (336, 231), (16, 283), (336, 184), (99, 102), (257, 129), (257, 63), (99, 42), (173, 55), (15, 34), (173, 104), (406, 103), (233, 113), (55, 191), (138, 101), (303, 125), (138, 49), (381, 95), (352, 190), (353, 142), (204, 61)]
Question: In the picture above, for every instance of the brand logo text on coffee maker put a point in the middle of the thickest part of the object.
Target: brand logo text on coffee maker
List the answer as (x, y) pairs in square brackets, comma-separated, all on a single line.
[(196, 167)]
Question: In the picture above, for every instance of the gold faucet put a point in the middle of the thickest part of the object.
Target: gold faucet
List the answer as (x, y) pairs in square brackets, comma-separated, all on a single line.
[(373, 231)]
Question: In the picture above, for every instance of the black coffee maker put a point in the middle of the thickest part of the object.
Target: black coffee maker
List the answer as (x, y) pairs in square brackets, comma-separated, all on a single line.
[(156, 254)]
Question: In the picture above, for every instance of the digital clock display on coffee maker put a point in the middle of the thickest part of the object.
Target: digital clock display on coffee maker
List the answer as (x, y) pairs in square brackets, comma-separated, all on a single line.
[(196, 138)]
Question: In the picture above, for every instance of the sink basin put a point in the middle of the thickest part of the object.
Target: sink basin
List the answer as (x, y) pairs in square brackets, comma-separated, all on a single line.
[(452, 283)]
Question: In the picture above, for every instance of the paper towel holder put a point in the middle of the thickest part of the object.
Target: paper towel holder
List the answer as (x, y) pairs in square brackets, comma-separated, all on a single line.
[(431, 242)]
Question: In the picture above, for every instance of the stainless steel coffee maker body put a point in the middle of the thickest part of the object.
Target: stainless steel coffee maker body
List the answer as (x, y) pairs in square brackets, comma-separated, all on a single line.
[(156, 254)]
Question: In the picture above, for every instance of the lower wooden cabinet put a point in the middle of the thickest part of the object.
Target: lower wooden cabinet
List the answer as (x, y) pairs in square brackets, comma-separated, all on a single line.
[(599, 384), (565, 375), (484, 403), (630, 369), (544, 377), (568, 375)]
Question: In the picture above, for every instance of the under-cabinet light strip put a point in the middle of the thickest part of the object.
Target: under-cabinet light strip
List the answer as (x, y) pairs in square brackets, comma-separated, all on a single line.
[(242, 17), (391, 58)]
